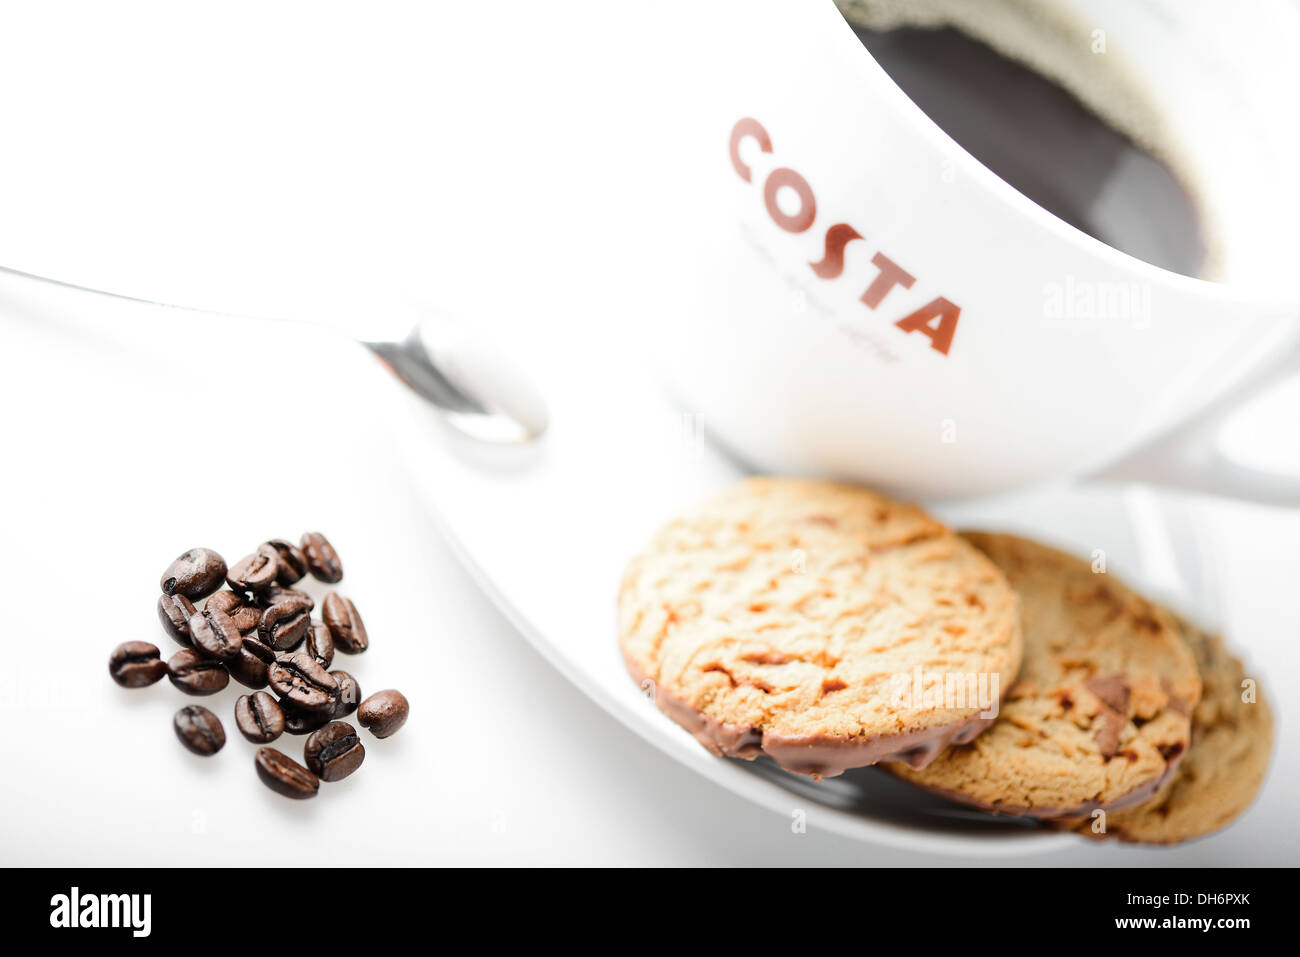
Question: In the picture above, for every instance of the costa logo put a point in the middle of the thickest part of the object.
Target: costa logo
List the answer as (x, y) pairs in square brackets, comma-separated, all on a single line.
[(936, 320)]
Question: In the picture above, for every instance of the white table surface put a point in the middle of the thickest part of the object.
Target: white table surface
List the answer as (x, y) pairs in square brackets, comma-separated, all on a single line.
[(211, 163), (502, 761)]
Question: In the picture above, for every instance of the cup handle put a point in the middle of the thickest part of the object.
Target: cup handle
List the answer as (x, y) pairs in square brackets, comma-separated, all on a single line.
[(1189, 457)]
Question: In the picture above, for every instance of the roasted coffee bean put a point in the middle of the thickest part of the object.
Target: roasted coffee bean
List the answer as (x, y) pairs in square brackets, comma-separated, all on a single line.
[(319, 644), (322, 561), (135, 664), (383, 712), (304, 684), (278, 593), (283, 775), (293, 563), (214, 633), (248, 669), (349, 694), (285, 623), (255, 572), (302, 722), (199, 729), (259, 649), (195, 574), (195, 674), (244, 613), (346, 627), (334, 751), (175, 612), (259, 718)]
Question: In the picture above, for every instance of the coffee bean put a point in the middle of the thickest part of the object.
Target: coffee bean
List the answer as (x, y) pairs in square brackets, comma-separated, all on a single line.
[(199, 729), (195, 574), (345, 624), (175, 612), (136, 664), (255, 572), (285, 623), (384, 712), (349, 694), (334, 751), (214, 633), (259, 649), (322, 561), (293, 563), (248, 669), (304, 684), (283, 775), (195, 674), (302, 722), (244, 613), (278, 593), (259, 718), (319, 644)]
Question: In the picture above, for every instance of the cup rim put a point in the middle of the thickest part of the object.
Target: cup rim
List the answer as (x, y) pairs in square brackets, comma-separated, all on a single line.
[(1036, 215)]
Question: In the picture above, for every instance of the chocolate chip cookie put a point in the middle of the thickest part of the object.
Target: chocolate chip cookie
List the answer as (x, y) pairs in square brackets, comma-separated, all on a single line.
[(820, 624), (1232, 740), (1101, 713)]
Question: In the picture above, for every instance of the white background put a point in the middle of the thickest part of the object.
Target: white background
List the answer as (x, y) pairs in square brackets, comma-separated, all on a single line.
[(497, 159)]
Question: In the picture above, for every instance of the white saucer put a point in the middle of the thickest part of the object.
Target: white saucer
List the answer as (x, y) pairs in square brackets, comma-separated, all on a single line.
[(548, 531)]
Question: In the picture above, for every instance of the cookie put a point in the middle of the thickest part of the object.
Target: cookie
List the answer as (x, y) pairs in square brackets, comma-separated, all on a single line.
[(1232, 740), (820, 624), (1101, 713)]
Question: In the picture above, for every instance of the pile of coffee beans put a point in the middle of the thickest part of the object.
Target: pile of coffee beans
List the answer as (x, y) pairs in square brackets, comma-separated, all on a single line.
[(259, 631)]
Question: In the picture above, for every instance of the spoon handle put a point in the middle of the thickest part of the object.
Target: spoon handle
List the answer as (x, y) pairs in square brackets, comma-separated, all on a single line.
[(473, 384), (63, 284), (368, 323)]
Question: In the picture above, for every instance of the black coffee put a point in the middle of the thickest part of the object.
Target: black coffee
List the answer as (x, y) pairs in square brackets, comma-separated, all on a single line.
[(1040, 139)]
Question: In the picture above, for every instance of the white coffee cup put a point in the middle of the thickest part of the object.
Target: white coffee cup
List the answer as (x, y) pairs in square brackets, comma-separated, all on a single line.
[(872, 303)]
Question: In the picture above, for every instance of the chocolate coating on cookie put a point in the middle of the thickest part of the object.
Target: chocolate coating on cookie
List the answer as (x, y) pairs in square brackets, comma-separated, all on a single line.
[(817, 756)]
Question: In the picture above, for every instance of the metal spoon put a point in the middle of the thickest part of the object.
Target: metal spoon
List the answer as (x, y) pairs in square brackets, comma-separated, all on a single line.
[(479, 392)]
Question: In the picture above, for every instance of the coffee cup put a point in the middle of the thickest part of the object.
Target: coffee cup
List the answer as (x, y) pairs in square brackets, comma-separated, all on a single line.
[(871, 302)]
